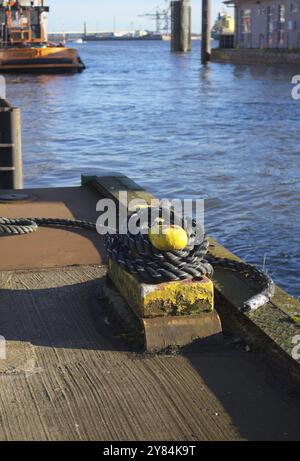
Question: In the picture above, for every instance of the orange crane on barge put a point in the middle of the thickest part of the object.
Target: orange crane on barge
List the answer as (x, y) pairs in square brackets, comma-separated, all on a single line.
[(23, 41)]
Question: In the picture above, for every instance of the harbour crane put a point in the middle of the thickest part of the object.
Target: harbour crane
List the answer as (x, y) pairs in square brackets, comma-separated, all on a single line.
[(162, 18)]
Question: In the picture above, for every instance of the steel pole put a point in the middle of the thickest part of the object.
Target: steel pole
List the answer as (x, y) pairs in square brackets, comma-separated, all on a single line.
[(206, 31), (11, 168)]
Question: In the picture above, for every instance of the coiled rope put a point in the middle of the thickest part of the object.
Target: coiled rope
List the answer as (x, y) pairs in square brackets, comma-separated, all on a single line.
[(137, 255), (23, 226)]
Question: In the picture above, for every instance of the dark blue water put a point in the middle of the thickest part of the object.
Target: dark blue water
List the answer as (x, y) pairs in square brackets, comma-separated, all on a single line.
[(226, 133)]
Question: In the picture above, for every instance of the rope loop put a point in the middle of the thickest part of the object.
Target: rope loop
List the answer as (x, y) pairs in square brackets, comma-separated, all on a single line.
[(150, 265), (21, 226), (137, 255)]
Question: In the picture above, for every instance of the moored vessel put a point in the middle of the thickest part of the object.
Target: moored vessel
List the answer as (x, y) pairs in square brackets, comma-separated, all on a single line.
[(23, 41), (105, 37)]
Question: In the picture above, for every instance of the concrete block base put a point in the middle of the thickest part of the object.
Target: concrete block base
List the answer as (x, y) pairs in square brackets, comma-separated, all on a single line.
[(171, 314)]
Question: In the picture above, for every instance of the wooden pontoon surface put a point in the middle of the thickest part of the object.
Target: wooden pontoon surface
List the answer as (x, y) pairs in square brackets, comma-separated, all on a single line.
[(70, 375)]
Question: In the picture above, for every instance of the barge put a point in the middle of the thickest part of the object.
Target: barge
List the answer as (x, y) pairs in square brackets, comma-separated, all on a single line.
[(121, 38), (23, 41)]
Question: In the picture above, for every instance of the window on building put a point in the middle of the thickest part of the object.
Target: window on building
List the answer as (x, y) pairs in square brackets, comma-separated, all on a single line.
[(281, 14), (281, 24), (241, 35), (270, 24), (291, 25), (294, 7), (246, 21)]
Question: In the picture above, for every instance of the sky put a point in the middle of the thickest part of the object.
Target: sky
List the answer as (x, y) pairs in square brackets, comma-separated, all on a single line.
[(69, 15)]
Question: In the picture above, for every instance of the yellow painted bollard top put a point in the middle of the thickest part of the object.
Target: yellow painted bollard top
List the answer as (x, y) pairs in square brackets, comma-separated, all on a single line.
[(168, 238)]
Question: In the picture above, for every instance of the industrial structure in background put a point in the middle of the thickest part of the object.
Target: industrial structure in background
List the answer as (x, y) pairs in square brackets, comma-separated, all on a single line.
[(173, 22), (162, 18)]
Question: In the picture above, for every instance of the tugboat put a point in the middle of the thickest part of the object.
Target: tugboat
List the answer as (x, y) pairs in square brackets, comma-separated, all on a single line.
[(23, 41)]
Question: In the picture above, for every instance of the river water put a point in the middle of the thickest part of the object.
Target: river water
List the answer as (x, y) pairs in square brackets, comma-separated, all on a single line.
[(226, 133)]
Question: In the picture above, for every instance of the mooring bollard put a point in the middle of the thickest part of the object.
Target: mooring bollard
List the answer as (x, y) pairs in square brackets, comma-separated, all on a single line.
[(181, 26), (170, 314), (11, 168)]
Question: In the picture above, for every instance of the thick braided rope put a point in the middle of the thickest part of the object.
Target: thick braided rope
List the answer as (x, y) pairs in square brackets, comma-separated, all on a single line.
[(137, 255), (23, 226), (249, 272)]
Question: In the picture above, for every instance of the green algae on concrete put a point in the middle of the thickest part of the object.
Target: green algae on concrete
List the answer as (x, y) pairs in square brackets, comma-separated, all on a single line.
[(167, 299), (296, 319)]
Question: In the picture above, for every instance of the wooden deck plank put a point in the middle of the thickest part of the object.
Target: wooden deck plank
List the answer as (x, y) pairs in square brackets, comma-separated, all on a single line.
[(75, 379)]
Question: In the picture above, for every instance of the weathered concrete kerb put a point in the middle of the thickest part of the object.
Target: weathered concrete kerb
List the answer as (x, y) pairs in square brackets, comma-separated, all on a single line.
[(273, 329), (255, 56)]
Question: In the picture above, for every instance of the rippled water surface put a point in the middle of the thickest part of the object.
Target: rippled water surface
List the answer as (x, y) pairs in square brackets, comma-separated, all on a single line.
[(226, 133)]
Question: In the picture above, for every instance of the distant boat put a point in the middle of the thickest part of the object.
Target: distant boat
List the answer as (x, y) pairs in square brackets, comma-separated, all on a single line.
[(104, 37), (224, 25), (23, 42)]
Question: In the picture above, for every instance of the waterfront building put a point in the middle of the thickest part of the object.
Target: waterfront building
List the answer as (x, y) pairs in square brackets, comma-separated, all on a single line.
[(267, 23)]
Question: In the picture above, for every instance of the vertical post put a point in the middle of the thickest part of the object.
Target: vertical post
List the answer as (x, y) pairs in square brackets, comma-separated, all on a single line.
[(236, 26), (186, 26), (11, 168), (175, 26), (181, 39), (206, 33)]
